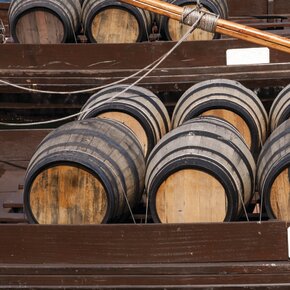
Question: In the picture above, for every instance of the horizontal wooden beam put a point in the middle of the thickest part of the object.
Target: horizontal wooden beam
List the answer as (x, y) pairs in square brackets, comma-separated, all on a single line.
[(167, 243), (224, 280), (199, 256), (55, 67), (121, 56)]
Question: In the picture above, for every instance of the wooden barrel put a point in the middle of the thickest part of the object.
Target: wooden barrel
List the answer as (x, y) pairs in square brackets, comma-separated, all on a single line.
[(138, 108), (83, 172), (200, 172), (43, 21), (229, 100), (173, 30), (111, 21), (280, 109), (273, 173)]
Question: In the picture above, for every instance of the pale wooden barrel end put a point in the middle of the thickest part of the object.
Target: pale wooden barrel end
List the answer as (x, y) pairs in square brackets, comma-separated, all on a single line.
[(66, 194), (191, 196), (280, 196)]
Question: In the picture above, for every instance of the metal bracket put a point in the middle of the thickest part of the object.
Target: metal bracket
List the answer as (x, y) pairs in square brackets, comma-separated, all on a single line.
[(288, 232), (270, 9)]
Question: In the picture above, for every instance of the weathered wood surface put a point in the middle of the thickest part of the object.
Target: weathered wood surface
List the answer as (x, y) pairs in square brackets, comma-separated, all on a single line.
[(17, 148), (279, 195), (39, 26), (216, 256), (122, 244), (4, 16), (55, 67), (191, 195), (233, 255), (258, 7), (116, 56)]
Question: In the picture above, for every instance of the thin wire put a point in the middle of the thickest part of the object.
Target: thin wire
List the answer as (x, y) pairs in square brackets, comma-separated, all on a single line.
[(79, 91), (261, 206), (262, 194), (123, 193), (157, 63), (147, 207), (128, 204), (244, 207)]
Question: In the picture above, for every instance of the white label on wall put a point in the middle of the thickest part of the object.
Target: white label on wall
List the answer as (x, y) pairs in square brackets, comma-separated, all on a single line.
[(289, 242), (257, 55)]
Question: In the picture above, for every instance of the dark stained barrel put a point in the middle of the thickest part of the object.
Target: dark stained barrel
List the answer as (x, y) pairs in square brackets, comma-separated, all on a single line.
[(200, 172), (229, 100), (138, 108), (43, 21), (173, 30), (273, 173), (111, 21), (83, 173), (280, 109)]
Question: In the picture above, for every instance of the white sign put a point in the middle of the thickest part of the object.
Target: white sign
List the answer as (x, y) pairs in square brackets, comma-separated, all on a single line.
[(257, 55)]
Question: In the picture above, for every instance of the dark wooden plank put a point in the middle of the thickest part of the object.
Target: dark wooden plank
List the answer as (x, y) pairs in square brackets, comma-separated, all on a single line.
[(257, 7), (12, 218), (12, 199), (170, 80), (147, 281), (106, 244), (246, 268), (121, 56), (17, 147)]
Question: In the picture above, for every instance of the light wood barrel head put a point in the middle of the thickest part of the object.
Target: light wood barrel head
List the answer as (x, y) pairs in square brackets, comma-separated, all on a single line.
[(177, 30), (132, 123), (114, 25), (191, 196), (39, 26), (66, 194), (280, 196), (237, 121)]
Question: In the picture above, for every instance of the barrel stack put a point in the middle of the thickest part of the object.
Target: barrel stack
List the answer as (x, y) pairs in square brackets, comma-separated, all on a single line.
[(138, 108), (203, 170), (230, 101), (102, 21)]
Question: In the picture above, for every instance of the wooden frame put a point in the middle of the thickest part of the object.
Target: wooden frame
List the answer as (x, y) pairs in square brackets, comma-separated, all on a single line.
[(200, 256)]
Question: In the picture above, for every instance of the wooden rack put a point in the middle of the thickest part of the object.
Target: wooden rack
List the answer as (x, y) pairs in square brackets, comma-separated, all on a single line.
[(191, 256)]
